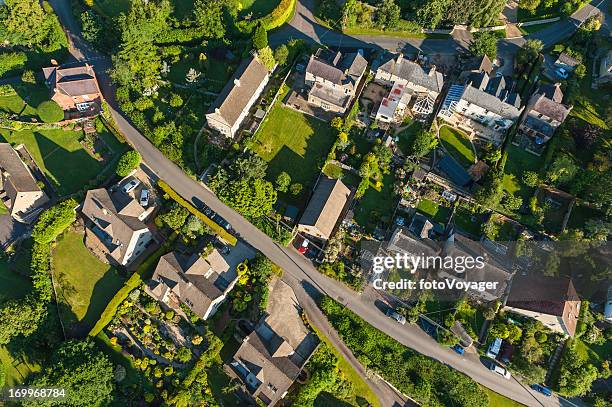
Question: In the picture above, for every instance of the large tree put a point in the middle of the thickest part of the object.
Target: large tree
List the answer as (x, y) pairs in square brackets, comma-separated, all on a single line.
[(388, 14), (252, 198), (26, 22), (484, 43), (20, 317), (138, 62), (81, 369), (209, 17)]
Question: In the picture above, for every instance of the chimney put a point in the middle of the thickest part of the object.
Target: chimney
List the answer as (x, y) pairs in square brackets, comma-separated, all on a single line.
[(237, 82), (104, 211), (217, 111), (53, 62), (432, 70)]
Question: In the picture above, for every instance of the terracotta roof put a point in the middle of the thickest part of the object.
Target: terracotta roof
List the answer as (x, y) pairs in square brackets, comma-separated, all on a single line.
[(326, 205), (75, 81), (549, 108), (567, 60), (548, 295), (237, 93)]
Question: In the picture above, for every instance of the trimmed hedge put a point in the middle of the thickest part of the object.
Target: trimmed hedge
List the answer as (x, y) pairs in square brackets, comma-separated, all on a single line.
[(53, 221), (224, 234), (144, 271), (279, 16)]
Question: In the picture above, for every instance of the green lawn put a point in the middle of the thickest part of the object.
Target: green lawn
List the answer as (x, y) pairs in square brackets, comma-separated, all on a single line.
[(16, 368), (295, 143), (406, 136), (437, 213), (376, 205), (84, 284), (59, 154), (3, 208), (25, 101), (518, 162), (258, 8), (498, 400), (531, 29), (458, 145), (468, 221), (12, 284)]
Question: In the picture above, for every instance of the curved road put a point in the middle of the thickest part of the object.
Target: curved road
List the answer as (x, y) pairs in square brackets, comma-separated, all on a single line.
[(299, 272)]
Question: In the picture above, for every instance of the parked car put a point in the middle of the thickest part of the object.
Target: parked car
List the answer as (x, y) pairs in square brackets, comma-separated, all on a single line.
[(562, 73), (541, 389), (502, 371), (144, 197), (459, 349), (493, 350), (303, 247), (391, 313), (130, 186)]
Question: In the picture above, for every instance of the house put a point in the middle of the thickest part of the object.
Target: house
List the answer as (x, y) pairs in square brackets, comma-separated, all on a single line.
[(566, 62), (271, 357), (484, 107), (544, 113), (19, 190), (201, 283), (332, 79), (232, 105), (75, 88), (115, 225), (551, 300), (605, 69), (324, 208), (410, 84)]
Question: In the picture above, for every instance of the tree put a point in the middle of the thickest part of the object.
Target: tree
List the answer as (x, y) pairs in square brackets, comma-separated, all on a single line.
[(562, 170), (492, 189), (251, 198), (26, 23), (529, 5), (349, 13), (282, 182), (530, 51), (388, 14), (260, 37), (531, 179), (192, 76), (281, 53), (183, 355), (333, 248), (175, 218), (512, 202), (423, 143), (50, 112), (127, 163), (249, 167), (54, 221), (81, 369), (484, 43), (432, 13), (208, 16), (493, 156), (20, 317), (295, 189), (266, 57), (137, 63), (28, 77), (337, 123), (91, 26), (176, 100)]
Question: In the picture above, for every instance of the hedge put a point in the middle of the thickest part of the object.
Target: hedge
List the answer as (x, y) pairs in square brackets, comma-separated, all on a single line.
[(53, 221), (144, 271), (224, 234), (279, 16)]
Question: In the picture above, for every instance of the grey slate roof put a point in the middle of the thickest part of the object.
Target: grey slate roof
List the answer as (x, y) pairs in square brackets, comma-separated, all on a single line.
[(413, 72), (187, 278), (116, 216), (239, 90), (553, 92), (337, 68), (567, 60), (491, 103), (16, 171)]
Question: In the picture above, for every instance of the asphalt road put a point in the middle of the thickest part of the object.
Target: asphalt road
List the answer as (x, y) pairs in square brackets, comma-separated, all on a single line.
[(299, 272)]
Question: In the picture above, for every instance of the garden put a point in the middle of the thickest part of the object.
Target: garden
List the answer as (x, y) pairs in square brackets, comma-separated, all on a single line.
[(458, 145), (468, 221), (294, 143), (434, 207), (70, 159), (500, 229), (84, 284)]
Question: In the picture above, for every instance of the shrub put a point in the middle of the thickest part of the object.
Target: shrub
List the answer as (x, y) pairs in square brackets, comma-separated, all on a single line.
[(176, 100), (50, 112), (169, 315), (54, 221), (28, 77), (128, 162), (295, 189)]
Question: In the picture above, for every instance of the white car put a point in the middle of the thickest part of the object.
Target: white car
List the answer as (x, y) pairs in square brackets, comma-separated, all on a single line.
[(502, 371), (562, 73), (129, 187), (144, 197)]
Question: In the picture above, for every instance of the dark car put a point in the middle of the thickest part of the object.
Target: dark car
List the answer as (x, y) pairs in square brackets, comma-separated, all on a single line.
[(541, 389), (459, 349), (391, 313)]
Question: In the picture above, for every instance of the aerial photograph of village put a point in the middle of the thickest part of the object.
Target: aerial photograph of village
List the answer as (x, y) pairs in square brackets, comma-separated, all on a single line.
[(309, 203)]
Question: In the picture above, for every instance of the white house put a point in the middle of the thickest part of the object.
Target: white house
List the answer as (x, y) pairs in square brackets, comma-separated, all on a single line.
[(238, 96), (410, 84), (484, 107)]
